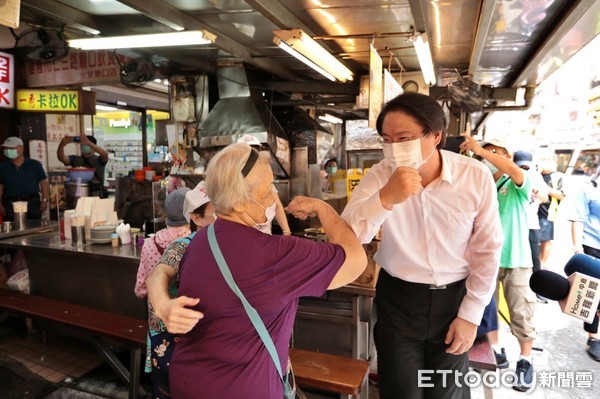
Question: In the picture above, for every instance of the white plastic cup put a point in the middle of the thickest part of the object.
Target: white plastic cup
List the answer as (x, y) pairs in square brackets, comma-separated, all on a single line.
[(125, 237)]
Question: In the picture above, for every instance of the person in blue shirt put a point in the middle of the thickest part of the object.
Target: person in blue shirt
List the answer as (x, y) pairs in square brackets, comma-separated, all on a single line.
[(22, 179)]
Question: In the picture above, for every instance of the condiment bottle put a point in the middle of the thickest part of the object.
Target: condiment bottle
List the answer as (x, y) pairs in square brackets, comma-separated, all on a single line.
[(114, 239)]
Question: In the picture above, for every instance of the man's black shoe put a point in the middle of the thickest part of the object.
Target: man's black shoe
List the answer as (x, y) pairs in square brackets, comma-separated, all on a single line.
[(593, 349), (541, 299), (524, 373), (501, 360)]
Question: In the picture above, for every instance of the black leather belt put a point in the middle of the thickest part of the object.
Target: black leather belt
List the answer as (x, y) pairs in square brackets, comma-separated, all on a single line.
[(434, 286)]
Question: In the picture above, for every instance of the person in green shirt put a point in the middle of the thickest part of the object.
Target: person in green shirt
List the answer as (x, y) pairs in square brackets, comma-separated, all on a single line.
[(514, 188)]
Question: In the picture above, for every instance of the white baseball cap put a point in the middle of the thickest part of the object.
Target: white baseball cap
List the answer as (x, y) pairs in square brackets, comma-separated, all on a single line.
[(194, 199), (12, 142), (249, 139), (498, 142)]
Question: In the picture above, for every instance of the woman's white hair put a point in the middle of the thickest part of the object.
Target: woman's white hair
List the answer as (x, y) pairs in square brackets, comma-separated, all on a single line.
[(226, 187)]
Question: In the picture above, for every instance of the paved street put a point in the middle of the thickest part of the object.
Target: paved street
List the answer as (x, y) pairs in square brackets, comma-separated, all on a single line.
[(561, 337)]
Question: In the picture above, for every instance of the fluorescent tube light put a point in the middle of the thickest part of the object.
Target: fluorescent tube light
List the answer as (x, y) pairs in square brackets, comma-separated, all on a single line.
[(101, 107), (304, 48), (424, 55), (142, 41), (284, 46)]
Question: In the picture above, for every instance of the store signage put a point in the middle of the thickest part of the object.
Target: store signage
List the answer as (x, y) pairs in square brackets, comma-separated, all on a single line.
[(38, 151), (47, 100), (119, 123), (56, 101), (7, 80), (79, 67)]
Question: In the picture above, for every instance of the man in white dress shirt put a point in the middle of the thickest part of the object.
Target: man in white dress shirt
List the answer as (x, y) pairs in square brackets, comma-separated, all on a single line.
[(439, 251)]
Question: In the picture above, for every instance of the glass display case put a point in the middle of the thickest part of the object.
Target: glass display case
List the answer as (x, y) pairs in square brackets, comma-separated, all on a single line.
[(142, 203), (124, 156)]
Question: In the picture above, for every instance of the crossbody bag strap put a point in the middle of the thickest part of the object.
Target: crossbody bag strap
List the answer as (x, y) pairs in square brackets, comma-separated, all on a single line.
[(252, 313), (507, 178)]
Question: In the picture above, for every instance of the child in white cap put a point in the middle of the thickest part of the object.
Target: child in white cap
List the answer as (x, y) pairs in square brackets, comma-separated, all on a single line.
[(198, 212), (177, 226)]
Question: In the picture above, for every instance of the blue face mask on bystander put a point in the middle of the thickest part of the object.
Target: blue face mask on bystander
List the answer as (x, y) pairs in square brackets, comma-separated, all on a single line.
[(490, 166)]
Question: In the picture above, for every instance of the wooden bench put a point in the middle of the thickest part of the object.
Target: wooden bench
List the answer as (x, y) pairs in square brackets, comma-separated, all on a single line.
[(482, 357), (103, 329), (331, 373)]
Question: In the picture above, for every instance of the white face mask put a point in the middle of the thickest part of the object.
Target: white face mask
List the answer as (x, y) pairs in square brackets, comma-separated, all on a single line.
[(406, 153), (269, 214), (490, 166)]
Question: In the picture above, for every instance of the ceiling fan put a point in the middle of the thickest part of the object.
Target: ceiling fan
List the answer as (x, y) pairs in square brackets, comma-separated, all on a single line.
[(137, 72), (41, 45), (468, 95)]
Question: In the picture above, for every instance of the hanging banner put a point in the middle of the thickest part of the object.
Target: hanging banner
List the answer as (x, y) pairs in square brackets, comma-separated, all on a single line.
[(7, 81), (391, 87), (375, 83), (56, 101), (79, 67)]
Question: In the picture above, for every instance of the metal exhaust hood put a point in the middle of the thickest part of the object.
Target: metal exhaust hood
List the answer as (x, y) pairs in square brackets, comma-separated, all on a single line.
[(241, 110)]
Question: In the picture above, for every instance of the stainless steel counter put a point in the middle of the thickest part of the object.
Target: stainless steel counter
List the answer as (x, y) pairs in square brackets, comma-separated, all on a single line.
[(51, 242), (103, 277), (94, 275), (33, 226)]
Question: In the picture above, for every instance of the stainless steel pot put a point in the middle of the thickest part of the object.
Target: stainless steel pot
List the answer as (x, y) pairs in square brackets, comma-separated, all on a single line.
[(74, 191), (20, 220)]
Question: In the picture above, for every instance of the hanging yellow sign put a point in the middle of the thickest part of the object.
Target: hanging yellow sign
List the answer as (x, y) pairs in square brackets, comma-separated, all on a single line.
[(48, 100), (56, 101)]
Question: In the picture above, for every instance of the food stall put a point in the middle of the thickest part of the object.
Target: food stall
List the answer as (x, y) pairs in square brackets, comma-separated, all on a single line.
[(98, 276)]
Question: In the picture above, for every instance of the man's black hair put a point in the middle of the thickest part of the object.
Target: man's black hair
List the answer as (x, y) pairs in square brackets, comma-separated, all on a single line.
[(424, 109)]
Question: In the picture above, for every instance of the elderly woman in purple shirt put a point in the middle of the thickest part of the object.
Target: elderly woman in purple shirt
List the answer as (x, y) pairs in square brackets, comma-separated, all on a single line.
[(223, 356)]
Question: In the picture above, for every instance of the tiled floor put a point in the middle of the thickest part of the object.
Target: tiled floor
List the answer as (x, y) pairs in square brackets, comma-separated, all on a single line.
[(52, 357)]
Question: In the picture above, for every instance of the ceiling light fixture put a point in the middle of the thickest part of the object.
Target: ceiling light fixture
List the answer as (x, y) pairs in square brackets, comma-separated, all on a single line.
[(304, 48), (101, 107), (424, 55), (186, 38)]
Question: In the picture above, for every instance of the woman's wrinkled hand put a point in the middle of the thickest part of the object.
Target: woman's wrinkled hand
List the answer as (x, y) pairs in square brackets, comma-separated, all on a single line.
[(177, 315), (303, 207)]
